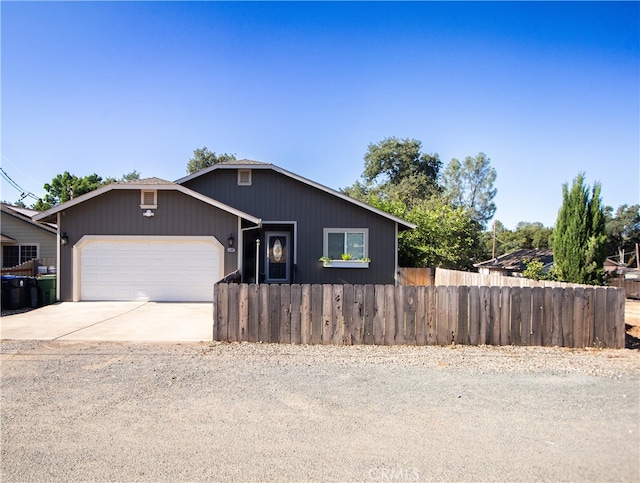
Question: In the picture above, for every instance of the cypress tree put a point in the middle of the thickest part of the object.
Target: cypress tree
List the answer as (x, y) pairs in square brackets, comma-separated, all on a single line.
[(579, 235)]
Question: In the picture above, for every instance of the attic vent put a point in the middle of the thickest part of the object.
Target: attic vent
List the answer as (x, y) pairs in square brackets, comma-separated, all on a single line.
[(148, 199), (244, 177)]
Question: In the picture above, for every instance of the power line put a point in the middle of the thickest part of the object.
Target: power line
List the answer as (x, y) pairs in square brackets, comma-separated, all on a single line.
[(23, 193)]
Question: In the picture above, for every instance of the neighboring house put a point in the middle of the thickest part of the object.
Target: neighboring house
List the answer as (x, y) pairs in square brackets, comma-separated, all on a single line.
[(157, 240), (514, 263), (613, 268), (24, 239)]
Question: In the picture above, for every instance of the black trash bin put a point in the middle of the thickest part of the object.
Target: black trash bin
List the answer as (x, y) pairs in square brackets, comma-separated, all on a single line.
[(31, 287), (14, 292), (7, 285)]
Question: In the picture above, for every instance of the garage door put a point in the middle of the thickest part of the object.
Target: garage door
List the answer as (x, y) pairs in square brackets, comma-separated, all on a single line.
[(171, 269)]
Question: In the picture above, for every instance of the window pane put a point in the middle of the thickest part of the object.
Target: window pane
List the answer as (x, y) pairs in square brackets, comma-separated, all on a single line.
[(10, 256), (336, 245), (355, 245), (28, 252)]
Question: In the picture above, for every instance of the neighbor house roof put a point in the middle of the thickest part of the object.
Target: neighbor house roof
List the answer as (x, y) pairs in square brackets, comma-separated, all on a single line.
[(142, 184), (515, 261), (251, 164), (28, 216)]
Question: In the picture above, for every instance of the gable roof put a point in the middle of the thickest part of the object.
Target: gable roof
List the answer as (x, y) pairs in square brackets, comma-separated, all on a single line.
[(142, 184), (251, 164), (514, 261), (28, 216)]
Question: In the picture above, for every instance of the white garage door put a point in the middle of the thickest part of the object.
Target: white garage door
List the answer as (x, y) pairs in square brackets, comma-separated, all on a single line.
[(170, 269)]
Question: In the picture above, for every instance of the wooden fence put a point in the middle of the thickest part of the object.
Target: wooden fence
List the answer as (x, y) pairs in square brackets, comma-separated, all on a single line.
[(456, 277), (631, 286), (413, 315), (30, 268), (417, 276)]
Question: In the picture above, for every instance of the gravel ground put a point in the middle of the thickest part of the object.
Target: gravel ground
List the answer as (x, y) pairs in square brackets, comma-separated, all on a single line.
[(260, 412)]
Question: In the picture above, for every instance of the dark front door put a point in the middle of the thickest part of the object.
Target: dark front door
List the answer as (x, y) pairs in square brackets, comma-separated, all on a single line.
[(277, 257)]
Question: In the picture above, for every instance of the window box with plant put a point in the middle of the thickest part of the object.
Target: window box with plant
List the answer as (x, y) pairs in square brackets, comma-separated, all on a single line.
[(345, 248)]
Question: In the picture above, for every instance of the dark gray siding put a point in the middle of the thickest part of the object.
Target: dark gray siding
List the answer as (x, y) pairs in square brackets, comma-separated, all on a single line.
[(118, 212), (276, 197)]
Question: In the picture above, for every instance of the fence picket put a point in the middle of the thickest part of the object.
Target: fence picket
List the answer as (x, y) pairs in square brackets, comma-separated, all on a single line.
[(525, 319), (389, 315), (327, 314), (369, 313), (567, 317), (588, 327), (421, 315), (337, 320), (347, 312), (357, 315), (505, 315), (442, 325), (515, 322), (485, 313), (462, 320), (493, 331), (556, 327), (295, 315), (537, 302), (223, 312), (254, 313), (400, 315), (243, 326), (619, 323), (216, 301), (305, 314), (475, 320), (600, 314), (317, 307), (265, 314), (610, 336), (578, 317), (378, 318), (432, 316)]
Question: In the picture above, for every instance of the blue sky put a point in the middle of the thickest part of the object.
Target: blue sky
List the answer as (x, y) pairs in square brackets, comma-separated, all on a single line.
[(546, 89)]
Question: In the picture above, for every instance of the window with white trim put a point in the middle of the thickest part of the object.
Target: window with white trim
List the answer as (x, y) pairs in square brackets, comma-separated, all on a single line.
[(148, 199), (244, 177), (13, 255), (351, 243)]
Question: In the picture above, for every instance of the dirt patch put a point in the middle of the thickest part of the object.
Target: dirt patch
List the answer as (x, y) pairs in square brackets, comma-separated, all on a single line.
[(632, 323)]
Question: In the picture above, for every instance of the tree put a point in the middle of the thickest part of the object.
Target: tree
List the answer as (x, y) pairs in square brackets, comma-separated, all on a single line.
[(445, 236), (579, 236), (526, 236), (66, 186), (203, 158), (132, 176), (470, 185), (623, 230), (397, 168)]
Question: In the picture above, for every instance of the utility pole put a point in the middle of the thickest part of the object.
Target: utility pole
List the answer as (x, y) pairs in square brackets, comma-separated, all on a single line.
[(493, 251), (637, 257)]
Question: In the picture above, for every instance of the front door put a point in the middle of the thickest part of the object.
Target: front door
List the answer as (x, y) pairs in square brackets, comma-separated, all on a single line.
[(278, 257)]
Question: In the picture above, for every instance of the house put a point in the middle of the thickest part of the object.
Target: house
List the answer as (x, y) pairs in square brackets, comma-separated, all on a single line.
[(514, 263), (24, 239), (158, 240)]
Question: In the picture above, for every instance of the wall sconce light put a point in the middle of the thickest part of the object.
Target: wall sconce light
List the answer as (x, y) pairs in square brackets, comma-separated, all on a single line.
[(230, 240), (64, 238)]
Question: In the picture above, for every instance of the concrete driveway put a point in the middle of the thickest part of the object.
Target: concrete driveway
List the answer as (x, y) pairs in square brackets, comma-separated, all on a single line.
[(113, 321)]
